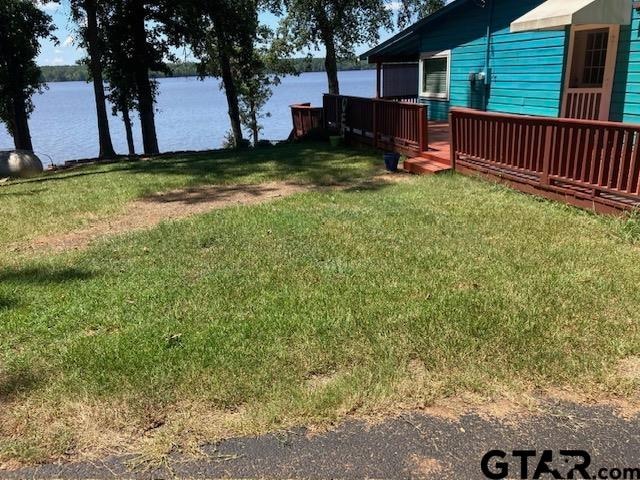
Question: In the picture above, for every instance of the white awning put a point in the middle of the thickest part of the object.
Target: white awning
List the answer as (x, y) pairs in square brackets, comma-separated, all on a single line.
[(556, 14)]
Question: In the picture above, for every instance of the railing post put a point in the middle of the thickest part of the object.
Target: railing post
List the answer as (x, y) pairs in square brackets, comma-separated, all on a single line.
[(423, 129), (546, 161), (375, 124), (453, 138), (325, 122)]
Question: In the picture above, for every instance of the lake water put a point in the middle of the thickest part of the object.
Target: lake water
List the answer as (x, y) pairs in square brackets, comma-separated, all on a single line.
[(191, 114)]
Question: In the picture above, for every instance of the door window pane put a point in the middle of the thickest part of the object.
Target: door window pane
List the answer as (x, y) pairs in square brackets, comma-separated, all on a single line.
[(589, 58)]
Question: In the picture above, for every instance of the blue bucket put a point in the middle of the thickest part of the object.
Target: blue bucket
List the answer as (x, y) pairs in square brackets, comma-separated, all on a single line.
[(391, 161)]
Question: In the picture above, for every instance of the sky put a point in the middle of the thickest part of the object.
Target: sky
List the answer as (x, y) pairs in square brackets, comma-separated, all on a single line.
[(67, 53)]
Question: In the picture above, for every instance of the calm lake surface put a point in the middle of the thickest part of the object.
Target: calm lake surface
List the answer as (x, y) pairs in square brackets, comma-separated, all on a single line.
[(191, 114)]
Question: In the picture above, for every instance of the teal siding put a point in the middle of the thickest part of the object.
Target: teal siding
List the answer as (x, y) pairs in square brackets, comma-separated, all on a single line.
[(437, 109), (625, 101), (527, 68), (463, 33)]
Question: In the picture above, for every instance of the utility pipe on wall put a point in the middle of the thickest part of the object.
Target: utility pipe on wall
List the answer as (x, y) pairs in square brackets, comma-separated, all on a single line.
[(487, 60)]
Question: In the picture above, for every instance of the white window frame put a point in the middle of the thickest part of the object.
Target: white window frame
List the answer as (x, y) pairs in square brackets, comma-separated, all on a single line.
[(430, 95)]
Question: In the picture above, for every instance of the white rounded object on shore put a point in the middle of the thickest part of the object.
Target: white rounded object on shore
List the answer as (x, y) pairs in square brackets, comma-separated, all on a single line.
[(19, 164)]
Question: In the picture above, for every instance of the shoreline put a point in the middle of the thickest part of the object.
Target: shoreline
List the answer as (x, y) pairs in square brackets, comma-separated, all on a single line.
[(160, 77)]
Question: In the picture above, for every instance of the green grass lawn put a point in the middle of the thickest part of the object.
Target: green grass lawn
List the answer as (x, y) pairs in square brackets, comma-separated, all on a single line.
[(300, 310)]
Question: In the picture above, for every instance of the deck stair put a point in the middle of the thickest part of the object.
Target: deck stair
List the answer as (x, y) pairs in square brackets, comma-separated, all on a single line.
[(429, 163), (438, 158)]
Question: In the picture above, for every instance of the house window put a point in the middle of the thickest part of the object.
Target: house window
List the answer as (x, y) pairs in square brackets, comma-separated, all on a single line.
[(435, 75)]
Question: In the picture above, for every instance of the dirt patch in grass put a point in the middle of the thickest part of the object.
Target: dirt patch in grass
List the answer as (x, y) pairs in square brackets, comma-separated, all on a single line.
[(148, 212), (317, 381), (629, 368), (174, 205)]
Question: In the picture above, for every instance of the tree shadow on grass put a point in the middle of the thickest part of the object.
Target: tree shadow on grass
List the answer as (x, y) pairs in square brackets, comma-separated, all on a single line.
[(373, 185), (7, 303), (218, 192), (27, 193), (79, 171), (313, 162), (223, 195), (43, 275), (16, 382)]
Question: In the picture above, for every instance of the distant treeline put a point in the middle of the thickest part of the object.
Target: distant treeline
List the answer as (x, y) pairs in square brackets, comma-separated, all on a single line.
[(71, 73)]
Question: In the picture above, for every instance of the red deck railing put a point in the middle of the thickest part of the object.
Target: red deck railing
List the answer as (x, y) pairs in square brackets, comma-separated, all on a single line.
[(386, 124), (587, 163), (306, 119)]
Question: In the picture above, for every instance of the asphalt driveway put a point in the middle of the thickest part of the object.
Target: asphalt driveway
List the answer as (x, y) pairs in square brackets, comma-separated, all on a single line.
[(408, 446)]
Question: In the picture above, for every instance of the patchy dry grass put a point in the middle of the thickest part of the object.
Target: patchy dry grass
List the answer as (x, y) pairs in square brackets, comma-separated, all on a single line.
[(69, 200), (306, 309)]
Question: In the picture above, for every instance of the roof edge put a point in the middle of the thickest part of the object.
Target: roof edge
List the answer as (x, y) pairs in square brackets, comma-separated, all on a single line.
[(412, 29)]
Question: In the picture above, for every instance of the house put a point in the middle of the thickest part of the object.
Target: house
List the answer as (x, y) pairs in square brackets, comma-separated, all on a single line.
[(576, 59), (543, 96)]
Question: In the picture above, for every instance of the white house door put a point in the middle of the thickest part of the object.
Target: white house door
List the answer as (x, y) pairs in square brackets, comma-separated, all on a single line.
[(590, 70)]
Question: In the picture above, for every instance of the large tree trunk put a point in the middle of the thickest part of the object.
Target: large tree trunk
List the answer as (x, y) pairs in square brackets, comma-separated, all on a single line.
[(126, 119), (143, 82), (331, 65), (228, 81), (255, 128), (255, 131), (20, 126), (330, 60), (95, 64), (232, 100)]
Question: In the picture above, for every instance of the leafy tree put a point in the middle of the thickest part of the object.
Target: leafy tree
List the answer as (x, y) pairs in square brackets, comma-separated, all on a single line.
[(85, 14), (141, 27), (254, 95), (149, 50), (339, 25), (22, 26), (221, 34), (119, 71), (256, 83), (414, 9), (124, 103), (66, 73)]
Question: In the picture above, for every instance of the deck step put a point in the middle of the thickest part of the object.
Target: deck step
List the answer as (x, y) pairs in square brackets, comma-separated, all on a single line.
[(442, 156), (426, 164)]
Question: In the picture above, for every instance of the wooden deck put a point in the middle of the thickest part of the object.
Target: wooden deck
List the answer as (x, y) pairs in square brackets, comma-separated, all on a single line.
[(437, 159), (589, 164), (388, 125)]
